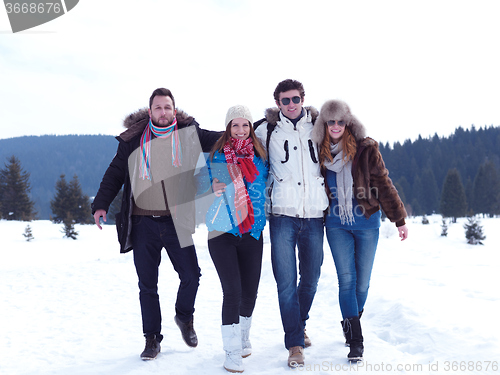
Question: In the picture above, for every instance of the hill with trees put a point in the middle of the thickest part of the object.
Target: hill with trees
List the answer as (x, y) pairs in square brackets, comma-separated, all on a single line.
[(418, 168), (48, 157)]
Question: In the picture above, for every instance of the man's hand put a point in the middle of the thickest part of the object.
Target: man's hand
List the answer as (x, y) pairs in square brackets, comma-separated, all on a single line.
[(218, 187), (97, 216)]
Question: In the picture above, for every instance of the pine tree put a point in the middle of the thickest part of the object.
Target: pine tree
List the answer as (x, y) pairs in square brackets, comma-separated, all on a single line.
[(14, 192), (474, 231), (453, 201), (485, 189), (114, 208), (444, 228), (28, 234), (401, 192), (80, 203), (69, 200), (61, 201), (430, 190), (69, 227), (418, 196)]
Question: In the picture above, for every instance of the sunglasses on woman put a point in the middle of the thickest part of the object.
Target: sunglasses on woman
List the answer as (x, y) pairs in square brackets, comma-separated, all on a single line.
[(332, 122), (286, 101)]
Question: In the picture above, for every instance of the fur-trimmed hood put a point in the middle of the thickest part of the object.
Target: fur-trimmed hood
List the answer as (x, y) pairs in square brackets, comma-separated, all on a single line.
[(273, 114), (137, 121), (337, 110)]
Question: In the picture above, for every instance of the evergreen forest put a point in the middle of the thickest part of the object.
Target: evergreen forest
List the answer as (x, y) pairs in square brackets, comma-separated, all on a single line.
[(469, 158), (419, 169)]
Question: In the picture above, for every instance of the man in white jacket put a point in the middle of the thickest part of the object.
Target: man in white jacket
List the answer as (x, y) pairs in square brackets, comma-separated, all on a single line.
[(297, 199)]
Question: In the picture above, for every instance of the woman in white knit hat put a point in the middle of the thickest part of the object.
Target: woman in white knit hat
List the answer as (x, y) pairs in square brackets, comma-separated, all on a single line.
[(237, 171)]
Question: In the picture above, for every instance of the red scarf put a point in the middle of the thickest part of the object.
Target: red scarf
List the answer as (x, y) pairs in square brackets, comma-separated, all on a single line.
[(241, 166)]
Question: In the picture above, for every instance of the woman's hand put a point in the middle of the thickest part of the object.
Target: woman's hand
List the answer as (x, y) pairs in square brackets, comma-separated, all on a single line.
[(403, 232), (218, 187)]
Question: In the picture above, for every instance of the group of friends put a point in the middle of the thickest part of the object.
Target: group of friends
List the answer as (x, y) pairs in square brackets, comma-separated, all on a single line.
[(303, 171)]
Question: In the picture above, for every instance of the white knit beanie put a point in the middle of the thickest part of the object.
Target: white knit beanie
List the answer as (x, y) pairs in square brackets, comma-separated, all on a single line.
[(238, 111)]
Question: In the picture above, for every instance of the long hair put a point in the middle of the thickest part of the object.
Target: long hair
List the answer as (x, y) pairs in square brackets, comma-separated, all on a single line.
[(349, 146), (260, 151)]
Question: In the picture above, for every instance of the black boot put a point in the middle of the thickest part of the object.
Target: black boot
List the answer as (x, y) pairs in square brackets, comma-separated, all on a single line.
[(346, 328), (187, 331), (352, 327), (152, 348)]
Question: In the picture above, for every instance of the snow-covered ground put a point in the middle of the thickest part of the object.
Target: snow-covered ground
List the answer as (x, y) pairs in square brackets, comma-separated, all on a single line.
[(71, 307)]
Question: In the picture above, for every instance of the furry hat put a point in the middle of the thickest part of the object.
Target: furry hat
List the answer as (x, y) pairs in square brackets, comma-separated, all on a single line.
[(238, 111), (337, 110)]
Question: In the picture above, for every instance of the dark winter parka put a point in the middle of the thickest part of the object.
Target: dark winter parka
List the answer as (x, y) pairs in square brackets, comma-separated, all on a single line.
[(372, 186), (117, 174)]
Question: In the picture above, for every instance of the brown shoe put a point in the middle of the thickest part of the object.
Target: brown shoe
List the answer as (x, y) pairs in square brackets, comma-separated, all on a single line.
[(307, 340), (296, 356), (152, 348), (187, 331)]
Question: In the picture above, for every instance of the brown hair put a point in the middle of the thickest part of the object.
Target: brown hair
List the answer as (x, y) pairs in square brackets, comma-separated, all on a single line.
[(260, 151), (287, 85), (349, 146), (161, 92)]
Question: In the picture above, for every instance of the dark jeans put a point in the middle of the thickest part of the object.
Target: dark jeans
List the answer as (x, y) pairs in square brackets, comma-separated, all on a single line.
[(149, 236), (238, 261)]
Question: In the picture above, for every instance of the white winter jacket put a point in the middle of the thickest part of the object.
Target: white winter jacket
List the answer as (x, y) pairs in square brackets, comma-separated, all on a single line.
[(295, 186)]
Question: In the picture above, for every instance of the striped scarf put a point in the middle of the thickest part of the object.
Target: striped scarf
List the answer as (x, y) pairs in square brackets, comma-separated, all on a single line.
[(159, 132), (239, 167)]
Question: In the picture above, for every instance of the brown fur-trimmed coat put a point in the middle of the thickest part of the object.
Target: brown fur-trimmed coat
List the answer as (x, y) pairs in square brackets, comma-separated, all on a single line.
[(372, 186)]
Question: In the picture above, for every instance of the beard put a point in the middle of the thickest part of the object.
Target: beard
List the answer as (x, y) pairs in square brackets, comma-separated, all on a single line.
[(157, 123)]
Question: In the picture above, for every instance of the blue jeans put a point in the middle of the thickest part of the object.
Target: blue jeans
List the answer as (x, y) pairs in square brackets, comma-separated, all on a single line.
[(295, 300), (149, 236), (353, 253)]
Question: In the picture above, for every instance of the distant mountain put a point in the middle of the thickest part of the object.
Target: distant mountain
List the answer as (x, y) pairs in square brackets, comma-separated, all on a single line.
[(418, 168), (47, 157)]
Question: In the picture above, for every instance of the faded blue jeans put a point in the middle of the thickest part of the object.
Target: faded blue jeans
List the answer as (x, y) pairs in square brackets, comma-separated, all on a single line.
[(295, 300), (353, 253)]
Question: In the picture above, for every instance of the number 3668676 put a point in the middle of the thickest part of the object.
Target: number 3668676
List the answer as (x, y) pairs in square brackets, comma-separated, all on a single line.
[(33, 8)]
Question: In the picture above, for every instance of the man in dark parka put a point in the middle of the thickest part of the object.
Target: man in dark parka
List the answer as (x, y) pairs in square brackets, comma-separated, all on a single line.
[(155, 163)]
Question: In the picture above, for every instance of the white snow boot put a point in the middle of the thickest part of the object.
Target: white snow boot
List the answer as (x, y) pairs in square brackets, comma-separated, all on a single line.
[(231, 339), (246, 346)]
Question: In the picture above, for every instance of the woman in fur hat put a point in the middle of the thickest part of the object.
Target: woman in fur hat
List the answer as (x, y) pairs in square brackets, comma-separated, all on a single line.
[(358, 186), (237, 170)]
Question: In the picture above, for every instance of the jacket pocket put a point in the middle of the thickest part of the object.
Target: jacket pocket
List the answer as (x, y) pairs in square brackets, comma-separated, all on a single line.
[(312, 152), (120, 228), (287, 153)]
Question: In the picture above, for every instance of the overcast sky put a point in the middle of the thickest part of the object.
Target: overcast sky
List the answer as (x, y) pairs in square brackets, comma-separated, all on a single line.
[(405, 68)]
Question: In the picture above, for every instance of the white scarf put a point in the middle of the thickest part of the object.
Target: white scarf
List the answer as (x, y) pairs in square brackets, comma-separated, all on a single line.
[(343, 170)]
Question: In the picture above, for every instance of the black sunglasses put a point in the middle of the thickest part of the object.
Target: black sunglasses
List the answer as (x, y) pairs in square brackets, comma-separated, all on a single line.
[(332, 122), (286, 101)]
